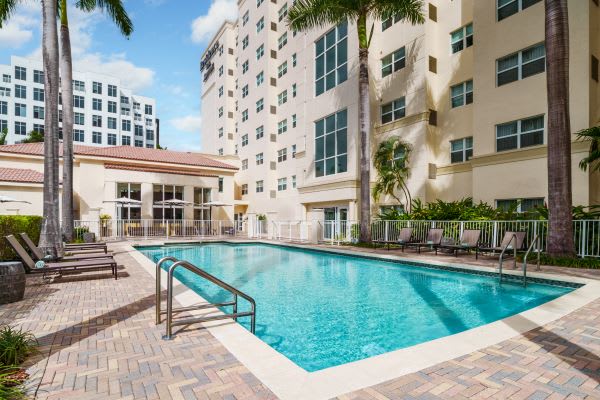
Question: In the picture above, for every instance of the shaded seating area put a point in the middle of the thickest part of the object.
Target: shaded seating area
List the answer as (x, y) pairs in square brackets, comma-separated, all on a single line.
[(432, 242), (38, 254), (512, 240), (404, 238), (469, 241)]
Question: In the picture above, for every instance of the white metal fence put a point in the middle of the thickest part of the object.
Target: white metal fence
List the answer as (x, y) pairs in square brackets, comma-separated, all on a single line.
[(291, 231)]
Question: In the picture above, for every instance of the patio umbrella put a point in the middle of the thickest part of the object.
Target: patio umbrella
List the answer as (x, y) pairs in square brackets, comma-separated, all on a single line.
[(6, 199), (172, 203), (123, 201)]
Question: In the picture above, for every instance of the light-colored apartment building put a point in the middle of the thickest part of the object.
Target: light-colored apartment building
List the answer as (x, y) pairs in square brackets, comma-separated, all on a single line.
[(467, 90), (105, 112)]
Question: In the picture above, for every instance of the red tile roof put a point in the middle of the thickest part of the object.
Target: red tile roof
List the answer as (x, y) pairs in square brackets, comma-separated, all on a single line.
[(126, 153), (162, 170), (21, 175)]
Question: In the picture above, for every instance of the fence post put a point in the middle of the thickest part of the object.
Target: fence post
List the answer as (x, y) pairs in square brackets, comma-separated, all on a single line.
[(462, 228), (387, 230), (167, 229), (583, 238), (494, 234)]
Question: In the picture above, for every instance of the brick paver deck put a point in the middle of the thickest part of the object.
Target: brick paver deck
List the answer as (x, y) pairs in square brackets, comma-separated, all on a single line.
[(98, 341)]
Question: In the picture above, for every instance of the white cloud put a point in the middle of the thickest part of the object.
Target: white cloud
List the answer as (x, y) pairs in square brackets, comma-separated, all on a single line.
[(18, 30), (133, 77), (205, 26), (189, 123)]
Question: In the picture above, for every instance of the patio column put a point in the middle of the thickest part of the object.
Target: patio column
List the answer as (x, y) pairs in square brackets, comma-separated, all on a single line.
[(188, 195), (147, 201)]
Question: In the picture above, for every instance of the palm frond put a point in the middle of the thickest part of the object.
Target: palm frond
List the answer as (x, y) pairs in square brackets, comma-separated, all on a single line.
[(592, 159), (115, 10), (7, 8), (309, 14), (405, 10)]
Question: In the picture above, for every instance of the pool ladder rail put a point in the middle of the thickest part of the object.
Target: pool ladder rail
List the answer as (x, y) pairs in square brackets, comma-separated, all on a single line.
[(535, 241), (211, 278)]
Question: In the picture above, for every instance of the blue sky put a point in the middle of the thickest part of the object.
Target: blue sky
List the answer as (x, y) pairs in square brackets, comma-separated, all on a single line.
[(160, 60)]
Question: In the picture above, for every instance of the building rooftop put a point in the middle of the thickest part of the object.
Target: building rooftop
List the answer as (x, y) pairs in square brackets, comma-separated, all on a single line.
[(21, 175), (126, 153)]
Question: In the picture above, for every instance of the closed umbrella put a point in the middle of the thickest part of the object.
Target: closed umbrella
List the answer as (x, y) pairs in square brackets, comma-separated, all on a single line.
[(6, 199)]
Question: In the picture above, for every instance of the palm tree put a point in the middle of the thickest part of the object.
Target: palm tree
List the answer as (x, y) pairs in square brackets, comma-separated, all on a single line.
[(391, 162), (593, 135), (117, 13), (560, 220), (310, 14)]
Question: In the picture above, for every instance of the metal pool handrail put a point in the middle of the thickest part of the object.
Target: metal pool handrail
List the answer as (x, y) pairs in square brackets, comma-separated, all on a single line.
[(535, 241), (158, 286), (213, 279), (501, 260)]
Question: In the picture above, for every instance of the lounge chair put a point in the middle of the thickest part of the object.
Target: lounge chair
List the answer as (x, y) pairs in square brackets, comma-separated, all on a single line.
[(469, 240), (38, 254), (404, 238), (60, 266), (507, 240), (433, 240), (74, 248)]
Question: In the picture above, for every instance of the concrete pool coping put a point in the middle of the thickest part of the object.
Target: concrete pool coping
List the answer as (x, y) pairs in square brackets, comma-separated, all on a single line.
[(289, 381)]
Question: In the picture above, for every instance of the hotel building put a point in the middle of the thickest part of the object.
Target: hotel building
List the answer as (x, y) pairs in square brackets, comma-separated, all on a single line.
[(105, 112), (466, 89)]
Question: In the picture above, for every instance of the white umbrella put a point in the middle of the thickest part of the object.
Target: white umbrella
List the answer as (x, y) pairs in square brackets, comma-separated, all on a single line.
[(124, 200), (172, 203), (216, 204), (6, 199)]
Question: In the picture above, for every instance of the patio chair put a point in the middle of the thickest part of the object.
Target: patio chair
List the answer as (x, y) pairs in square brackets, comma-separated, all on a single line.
[(38, 254), (75, 248), (507, 240), (433, 240), (469, 240), (60, 267), (404, 238)]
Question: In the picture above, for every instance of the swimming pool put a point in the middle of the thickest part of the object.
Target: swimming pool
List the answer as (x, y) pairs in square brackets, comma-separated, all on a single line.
[(322, 309)]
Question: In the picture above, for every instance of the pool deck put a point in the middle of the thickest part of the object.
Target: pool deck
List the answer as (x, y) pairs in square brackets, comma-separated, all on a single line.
[(99, 341)]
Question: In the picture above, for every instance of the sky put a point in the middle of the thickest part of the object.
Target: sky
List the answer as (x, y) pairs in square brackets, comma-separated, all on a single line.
[(161, 58)]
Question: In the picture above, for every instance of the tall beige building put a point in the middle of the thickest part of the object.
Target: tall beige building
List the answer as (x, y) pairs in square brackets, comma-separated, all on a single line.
[(467, 90)]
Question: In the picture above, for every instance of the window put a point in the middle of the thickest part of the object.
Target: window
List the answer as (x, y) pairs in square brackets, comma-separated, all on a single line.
[(149, 134), (260, 105), (259, 2), (138, 130), (282, 41), (78, 101), (221, 70), (112, 107), (393, 62), (126, 125), (293, 181), (506, 8), (79, 118), (282, 69), (244, 164), (282, 127), (260, 24), (20, 128), (282, 155), (245, 66), (78, 135), (20, 92), (245, 140), (245, 42), (461, 150), (38, 112), (6, 78), (38, 128), (3, 108), (161, 193), (519, 134), (331, 154), (461, 94), (220, 112), (4, 92), (96, 87), (245, 91), (393, 111), (126, 140), (124, 99), (244, 189), (138, 143), (281, 184), (260, 78), (20, 110), (97, 104), (38, 76), (111, 139), (293, 151), (283, 11), (245, 18), (260, 186), (245, 115), (148, 109), (294, 120), (294, 60), (461, 38), (259, 159), (294, 89), (220, 151), (521, 65), (520, 205), (97, 137), (260, 51), (221, 180), (260, 132), (78, 86), (220, 132), (111, 123), (38, 94), (282, 98), (112, 90), (20, 73), (388, 22), (331, 59)]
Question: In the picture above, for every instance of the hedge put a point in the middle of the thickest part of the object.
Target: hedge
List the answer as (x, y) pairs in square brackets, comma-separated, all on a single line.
[(13, 225)]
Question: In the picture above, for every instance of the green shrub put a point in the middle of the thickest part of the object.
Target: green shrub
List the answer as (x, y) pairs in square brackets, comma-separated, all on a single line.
[(15, 346), (570, 262), (78, 233), (11, 389), (13, 225)]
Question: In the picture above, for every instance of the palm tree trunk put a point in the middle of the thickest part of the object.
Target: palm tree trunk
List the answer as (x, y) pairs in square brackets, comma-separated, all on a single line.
[(364, 123), (560, 220), (66, 68), (50, 240)]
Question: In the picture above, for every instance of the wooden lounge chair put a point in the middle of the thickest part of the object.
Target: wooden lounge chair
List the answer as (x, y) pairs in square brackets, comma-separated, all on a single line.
[(469, 240), (38, 254), (507, 240), (74, 248), (60, 266), (404, 238), (433, 241)]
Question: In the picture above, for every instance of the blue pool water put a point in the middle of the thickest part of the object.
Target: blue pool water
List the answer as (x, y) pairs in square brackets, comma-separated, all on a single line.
[(321, 309)]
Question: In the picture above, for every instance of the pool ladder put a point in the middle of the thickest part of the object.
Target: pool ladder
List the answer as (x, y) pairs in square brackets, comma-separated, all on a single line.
[(536, 241), (211, 278)]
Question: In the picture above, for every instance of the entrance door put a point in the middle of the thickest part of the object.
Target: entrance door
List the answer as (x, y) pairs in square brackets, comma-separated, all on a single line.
[(336, 223)]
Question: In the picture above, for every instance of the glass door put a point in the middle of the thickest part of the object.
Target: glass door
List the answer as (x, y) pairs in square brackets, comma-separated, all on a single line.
[(335, 224)]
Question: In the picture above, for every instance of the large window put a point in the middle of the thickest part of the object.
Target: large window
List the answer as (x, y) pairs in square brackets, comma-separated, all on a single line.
[(282, 41), (38, 112), (79, 101), (134, 192), (78, 86), (521, 65), (281, 184), (201, 197), (20, 128), (3, 108), (112, 107), (461, 94), (20, 92), (331, 59), (38, 76), (520, 205), (38, 94), (111, 123), (97, 137), (97, 104), (97, 87), (20, 73), (461, 150), (388, 22), (393, 62), (167, 192), (519, 134), (260, 132), (112, 90), (461, 38), (79, 118), (331, 142), (393, 110), (282, 69), (78, 135), (506, 8), (20, 110)]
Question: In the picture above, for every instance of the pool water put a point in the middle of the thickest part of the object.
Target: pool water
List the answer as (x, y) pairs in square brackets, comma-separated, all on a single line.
[(321, 309)]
